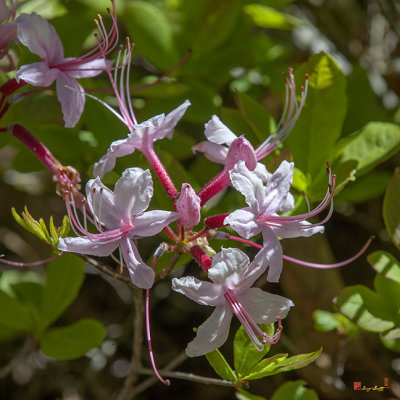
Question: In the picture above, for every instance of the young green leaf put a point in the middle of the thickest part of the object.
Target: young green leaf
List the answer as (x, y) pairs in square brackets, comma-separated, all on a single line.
[(14, 314), (391, 208), (72, 341), (221, 366), (294, 390), (385, 264)]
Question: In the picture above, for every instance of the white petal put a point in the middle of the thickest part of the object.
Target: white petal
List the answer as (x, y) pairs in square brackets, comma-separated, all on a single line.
[(212, 334), (37, 74), (133, 191), (277, 189), (264, 307), (228, 267), (217, 132), (152, 222), (83, 245), (214, 152), (202, 292), (262, 172), (273, 252), (297, 230), (288, 204), (141, 274), (86, 70), (243, 222), (249, 184), (102, 204), (72, 99), (118, 148), (40, 37)]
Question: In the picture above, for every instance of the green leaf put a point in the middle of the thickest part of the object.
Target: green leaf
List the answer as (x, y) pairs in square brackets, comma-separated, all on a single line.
[(256, 115), (352, 302), (72, 341), (245, 354), (15, 315), (371, 145), (152, 33), (391, 208), (385, 264), (268, 17), (391, 344), (64, 277), (265, 366), (294, 390), (388, 292), (325, 321), (242, 394), (221, 366), (314, 136)]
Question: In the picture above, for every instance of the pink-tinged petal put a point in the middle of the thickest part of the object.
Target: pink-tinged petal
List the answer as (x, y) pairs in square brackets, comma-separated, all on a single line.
[(249, 184), (202, 292), (264, 307), (37, 74), (86, 70), (277, 189), (101, 201), (297, 229), (133, 191), (288, 204), (241, 150), (273, 253), (212, 334), (243, 222), (214, 152), (256, 268), (262, 172), (83, 245), (72, 99), (8, 34), (228, 267), (188, 206), (217, 132), (4, 11), (118, 148), (167, 124), (152, 222), (141, 274), (40, 37)]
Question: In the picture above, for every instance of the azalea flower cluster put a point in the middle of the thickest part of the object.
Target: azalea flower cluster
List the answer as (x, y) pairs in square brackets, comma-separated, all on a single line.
[(108, 221)]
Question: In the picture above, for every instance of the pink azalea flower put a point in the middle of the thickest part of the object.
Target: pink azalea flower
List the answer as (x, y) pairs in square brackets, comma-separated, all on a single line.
[(119, 216), (188, 206), (262, 214), (230, 292), (42, 39), (8, 31)]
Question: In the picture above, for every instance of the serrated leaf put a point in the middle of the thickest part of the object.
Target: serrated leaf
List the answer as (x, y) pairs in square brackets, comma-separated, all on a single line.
[(391, 208), (369, 146), (72, 341), (294, 390), (385, 264), (268, 17), (221, 366), (245, 354), (64, 277), (313, 138)]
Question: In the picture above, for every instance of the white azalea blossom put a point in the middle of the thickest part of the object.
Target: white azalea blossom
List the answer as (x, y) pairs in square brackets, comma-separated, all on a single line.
[(230, 291), (119, 215)]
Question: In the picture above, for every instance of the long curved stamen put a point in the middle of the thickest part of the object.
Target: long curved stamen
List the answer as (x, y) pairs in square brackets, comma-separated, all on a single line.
[(29, 264)]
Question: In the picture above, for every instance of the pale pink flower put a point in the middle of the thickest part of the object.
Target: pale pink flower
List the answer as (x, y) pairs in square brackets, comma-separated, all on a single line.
[(230, 292)]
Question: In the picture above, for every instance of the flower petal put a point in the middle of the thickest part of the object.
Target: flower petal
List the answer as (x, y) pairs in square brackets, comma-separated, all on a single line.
[(72, 99), (141, 274), (214, 152), (264, 307), (102, 204), (85, 70), (277, 189), (249, 184), (273, 252), (118, 148), (212, 334), (37, 74), (217, 132), (84, 245), (152, 222), (40, 37), (297, 229), (202, 292), (4, 11), (133, 191), (228, 267), (243, 222)]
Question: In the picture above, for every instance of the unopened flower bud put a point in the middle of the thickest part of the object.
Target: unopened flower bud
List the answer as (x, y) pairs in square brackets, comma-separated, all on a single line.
[(241, 150), (188, 206)]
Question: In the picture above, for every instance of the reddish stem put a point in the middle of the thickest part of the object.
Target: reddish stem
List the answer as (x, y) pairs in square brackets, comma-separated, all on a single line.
[(201, 257), (214, 186)]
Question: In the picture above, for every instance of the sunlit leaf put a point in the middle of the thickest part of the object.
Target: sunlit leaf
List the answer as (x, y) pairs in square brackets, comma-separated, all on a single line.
[(391, 208), (385, 264), (221, 366), (294, 390)]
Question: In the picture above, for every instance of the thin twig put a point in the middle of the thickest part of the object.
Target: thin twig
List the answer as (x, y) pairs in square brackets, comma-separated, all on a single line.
[(169, 267), (179, 359), (137, 346)]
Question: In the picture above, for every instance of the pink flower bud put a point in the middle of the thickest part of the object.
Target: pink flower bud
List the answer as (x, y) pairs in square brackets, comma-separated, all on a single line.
[(188, 206), (241, 150)]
